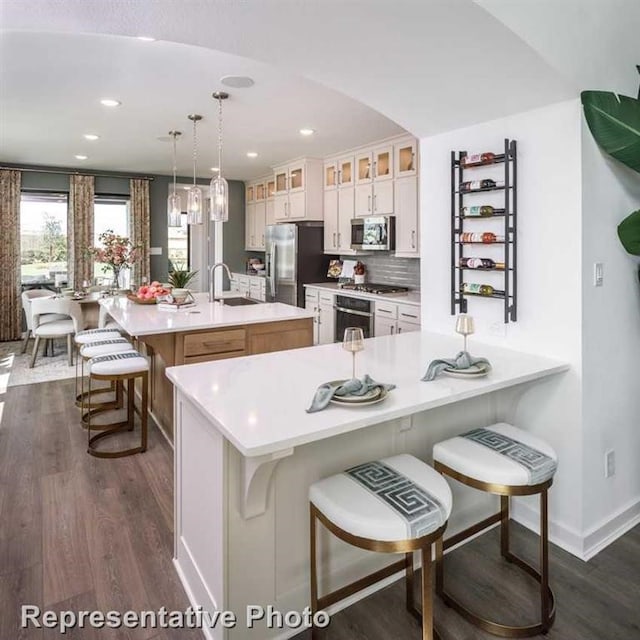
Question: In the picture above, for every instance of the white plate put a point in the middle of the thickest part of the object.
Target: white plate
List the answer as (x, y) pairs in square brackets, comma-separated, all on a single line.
[(383, 394), (366, 397), (474, 371)]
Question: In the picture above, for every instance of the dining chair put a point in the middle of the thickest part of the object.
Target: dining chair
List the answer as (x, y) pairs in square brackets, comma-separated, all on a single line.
[(70, 323), (27, 297)]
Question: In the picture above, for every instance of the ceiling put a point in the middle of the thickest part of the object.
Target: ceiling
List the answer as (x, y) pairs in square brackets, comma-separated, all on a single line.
[(52, 83), (429, 65)]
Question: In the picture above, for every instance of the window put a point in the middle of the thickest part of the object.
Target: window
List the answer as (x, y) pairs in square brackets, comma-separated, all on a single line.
[(178, 241), (110, 213), (43, 238)]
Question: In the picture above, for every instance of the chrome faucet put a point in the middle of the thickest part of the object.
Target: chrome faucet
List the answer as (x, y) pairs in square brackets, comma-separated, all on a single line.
[(212, 286)]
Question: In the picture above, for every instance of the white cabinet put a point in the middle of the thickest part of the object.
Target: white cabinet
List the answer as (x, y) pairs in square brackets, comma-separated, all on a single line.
[(298, 191), (255, 215), (240, 284), (249, 286), (339, 202), (390, 318), (321, 304), (406, 158), (406, 213), (374, 182), (270, 215)]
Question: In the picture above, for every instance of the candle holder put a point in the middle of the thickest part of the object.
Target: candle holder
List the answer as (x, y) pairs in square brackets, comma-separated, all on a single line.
[(353, 341), (465, 327)]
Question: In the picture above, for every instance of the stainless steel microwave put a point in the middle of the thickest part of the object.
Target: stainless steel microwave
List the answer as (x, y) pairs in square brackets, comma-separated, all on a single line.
[(376, 233)]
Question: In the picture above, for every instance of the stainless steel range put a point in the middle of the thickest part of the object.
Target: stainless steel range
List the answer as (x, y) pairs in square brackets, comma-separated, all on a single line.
[(371, 287)]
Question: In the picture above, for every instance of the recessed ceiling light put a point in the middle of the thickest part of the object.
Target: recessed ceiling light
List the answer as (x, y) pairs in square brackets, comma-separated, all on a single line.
[(79, 156), (252, 154), (215, 169), (146, 39), (110, 102), (307, 132), (238, 82), (90, 136)]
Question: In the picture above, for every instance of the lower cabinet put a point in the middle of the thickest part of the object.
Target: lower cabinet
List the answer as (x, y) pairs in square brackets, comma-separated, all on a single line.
[(392, 318), (249, 286), (321, 304)]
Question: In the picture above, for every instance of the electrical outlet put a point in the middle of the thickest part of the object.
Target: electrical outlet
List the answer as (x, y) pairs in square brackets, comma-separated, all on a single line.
[(598, 274), (609, 463)]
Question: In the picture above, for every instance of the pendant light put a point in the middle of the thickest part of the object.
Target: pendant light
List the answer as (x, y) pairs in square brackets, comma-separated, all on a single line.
[(219, 190), (174, 205), (194, 204)]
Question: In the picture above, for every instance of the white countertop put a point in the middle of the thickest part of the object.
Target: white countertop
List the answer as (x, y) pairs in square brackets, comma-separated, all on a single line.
[(411, 297), (147, 319), (258, 402)]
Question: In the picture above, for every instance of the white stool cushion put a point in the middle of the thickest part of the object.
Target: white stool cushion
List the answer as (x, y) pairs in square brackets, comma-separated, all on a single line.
[(404, 499), (93, 335), (104, 347), (55, 329), (117, 364), (488, 465)]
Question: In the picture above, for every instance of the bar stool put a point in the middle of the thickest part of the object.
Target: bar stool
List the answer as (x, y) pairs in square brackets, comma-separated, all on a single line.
[(117, 368), (394, 505), (80, 339), (506, 461)]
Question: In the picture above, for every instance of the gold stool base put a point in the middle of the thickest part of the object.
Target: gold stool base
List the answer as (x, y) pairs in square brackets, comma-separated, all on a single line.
[(547, 598)]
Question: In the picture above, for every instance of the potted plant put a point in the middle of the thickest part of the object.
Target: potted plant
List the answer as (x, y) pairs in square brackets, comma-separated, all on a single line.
[(614, 122), (180, 279), (116, 253)]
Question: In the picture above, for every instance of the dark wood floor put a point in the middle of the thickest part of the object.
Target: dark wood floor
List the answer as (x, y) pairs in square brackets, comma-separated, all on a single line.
[(82, 533)]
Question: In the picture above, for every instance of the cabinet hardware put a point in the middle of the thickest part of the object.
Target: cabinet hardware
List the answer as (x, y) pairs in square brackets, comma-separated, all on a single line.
[(393, 329), (334, 240), (408, 315), (339, 241), (413, 239), (368, 203)]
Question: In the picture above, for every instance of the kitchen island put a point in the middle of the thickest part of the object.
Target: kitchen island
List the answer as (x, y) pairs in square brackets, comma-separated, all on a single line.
[(246, 452), (207, 331)]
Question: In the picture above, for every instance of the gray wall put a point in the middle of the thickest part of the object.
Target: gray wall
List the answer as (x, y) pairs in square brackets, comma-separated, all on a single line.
[(387, 269), (108, 184)]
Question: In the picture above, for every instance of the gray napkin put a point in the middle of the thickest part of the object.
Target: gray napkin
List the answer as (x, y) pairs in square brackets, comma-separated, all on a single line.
[(353, 387), (463, 360)]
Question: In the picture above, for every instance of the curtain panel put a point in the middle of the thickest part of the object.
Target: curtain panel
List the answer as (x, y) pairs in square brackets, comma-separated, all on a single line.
[(139, 225), (10, 306), (80, 228)]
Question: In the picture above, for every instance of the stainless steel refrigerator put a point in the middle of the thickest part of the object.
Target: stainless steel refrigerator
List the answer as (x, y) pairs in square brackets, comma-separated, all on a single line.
[(294, 257)]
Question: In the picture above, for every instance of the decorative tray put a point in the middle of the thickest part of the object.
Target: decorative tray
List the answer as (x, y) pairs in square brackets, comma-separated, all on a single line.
[(137, 300)]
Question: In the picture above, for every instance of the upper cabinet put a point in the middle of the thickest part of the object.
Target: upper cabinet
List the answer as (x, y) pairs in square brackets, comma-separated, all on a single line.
[(374, 182), (298, 191), (339, 202), (405, 158), (256, 208)]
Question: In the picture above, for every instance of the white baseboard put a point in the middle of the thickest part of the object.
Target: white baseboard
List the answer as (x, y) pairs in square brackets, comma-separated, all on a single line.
[(582, 545)]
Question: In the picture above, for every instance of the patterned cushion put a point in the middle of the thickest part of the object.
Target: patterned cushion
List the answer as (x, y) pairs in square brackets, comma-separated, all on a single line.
[(104, 347), (397, 498), (93, 335), (118, 364), (499, 454)]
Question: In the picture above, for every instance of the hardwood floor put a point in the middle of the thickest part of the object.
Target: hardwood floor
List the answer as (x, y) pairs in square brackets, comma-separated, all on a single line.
[(80, 533)]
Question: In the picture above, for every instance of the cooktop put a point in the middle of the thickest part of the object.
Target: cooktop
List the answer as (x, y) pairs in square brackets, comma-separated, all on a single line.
[(371, 287)]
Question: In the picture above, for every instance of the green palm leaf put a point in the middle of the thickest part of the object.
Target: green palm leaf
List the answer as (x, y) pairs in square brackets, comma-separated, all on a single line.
[(614, 121), (629, 233)]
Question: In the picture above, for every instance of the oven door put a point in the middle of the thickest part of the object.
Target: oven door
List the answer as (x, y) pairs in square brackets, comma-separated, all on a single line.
[(353, 312)]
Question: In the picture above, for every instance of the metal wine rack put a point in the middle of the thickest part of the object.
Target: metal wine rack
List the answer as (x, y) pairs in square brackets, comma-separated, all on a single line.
[(459, 298)]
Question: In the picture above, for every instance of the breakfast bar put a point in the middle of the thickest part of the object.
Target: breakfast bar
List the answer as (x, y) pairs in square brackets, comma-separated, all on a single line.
[(204, 332), (246, 452)]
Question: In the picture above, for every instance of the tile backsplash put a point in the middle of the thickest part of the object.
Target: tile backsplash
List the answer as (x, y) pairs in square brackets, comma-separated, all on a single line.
[(387, 269)]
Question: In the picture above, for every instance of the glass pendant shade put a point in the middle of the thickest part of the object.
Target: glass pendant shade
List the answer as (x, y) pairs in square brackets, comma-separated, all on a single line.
[(173, 210), (194, 206), (219, 193)]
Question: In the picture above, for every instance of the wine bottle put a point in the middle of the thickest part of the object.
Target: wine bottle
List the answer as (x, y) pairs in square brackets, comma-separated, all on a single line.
[(475, 185), (483, 211), (480, 289), (478, 158), (480, 263), (487, 237)]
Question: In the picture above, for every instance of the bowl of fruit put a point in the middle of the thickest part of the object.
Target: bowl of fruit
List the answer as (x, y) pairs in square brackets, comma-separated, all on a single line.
[(150, 293)]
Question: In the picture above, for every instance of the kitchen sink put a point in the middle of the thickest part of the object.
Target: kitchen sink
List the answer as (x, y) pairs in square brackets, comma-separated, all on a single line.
[(236, 302)]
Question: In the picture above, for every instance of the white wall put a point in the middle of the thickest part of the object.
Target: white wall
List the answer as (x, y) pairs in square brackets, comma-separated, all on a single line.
[(549, 272), (611, 345)]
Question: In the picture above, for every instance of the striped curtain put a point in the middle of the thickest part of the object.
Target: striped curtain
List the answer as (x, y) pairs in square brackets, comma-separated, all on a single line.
[(10, 306), (139, 214), (80, 228)]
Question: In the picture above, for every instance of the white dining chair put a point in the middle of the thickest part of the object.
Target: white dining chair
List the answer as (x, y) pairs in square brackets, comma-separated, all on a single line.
[(71, 323), (27, 297)]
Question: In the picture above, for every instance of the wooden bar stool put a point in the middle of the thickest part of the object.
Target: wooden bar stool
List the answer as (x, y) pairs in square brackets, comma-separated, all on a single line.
[(506, 461), (120, 367), (395, 505), (83, 338)]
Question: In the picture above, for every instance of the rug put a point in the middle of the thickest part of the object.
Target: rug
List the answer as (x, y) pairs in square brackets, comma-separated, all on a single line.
[(14, 366)]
